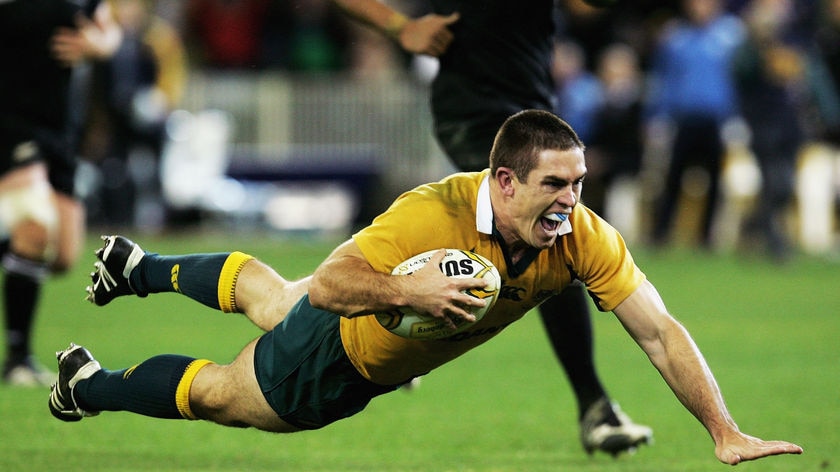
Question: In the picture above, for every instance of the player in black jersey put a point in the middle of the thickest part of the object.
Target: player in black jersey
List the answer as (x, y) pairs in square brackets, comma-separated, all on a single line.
[(41, 221), (495, 59)]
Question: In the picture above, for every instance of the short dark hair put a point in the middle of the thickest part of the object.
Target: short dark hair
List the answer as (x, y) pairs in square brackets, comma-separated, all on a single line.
[(527, 133)]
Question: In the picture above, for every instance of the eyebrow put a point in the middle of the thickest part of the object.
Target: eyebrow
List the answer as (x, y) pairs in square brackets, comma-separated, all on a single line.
[(557, 180)]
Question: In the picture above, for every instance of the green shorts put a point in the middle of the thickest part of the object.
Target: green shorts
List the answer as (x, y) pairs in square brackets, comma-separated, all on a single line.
[(305, 374)]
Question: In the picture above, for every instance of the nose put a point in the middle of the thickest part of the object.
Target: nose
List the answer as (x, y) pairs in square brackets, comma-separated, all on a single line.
[(567, 197)]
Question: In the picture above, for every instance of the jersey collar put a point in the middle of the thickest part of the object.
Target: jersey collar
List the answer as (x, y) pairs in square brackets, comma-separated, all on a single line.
[(484, 211)]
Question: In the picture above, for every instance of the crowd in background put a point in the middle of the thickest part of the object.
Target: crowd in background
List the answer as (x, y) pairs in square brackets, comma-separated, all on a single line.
[(686, 77)]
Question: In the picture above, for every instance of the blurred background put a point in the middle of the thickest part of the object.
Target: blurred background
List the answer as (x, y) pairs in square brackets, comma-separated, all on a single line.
[(222, 119), (289, 116)]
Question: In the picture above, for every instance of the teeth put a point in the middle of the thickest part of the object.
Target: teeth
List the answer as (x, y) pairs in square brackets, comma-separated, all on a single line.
[(559, 217)]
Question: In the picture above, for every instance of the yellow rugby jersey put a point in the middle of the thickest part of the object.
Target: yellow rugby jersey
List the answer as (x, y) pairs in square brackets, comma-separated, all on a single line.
[(456, 213)]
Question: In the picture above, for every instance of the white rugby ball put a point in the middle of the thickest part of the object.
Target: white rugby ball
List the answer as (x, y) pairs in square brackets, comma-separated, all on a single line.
[(408, 323)]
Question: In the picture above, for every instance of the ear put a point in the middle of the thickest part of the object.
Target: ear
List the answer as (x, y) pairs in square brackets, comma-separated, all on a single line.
[(504, 177)]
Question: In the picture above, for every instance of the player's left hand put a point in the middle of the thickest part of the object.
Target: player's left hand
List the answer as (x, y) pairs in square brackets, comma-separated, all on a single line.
[(90, 39), (742, 447), (68, 46)]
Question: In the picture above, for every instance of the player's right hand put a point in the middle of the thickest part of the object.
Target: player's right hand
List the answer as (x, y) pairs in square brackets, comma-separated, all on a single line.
[(428, 34), (435, 294)]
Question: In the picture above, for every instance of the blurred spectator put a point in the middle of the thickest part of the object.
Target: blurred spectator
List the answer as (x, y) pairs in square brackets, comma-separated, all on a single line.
[(818, 171), (828, 54), (634, 23), (228, 34), (293, 35), (577, 91), (134, 94), (692, 90), (770, 72), (307, 36), (614, 151)]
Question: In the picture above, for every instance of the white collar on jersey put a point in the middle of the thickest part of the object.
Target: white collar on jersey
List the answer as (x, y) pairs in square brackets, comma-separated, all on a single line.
[(484, 212)]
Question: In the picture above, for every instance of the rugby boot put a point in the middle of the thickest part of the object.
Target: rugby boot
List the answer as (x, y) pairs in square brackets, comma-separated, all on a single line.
[(597, 433), (116, 259), (74, 364)]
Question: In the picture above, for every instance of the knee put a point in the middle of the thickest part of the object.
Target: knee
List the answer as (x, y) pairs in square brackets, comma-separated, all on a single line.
[(213, 396), (69, 236), (60, 266), (63, 262), (230, 396), (30, 239)]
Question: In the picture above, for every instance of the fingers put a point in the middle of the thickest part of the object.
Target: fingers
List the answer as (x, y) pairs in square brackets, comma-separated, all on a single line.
[(88, 39), (459, 309), (452, 18), (462, 308), (756, 449), (456, 317), (428, 35), (67, 46), (446, 297), (440, 43), (770, 448)]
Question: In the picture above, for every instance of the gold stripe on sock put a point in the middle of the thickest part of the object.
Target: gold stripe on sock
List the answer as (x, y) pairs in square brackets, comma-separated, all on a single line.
[(182, 393), (227, 280)]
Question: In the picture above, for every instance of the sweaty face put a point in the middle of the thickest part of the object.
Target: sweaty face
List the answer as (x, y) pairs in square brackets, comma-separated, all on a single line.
[(547, 198)]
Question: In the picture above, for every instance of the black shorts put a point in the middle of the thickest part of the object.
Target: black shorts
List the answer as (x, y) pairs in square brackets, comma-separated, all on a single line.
[(467, 142), (42, 145), (305, 374)]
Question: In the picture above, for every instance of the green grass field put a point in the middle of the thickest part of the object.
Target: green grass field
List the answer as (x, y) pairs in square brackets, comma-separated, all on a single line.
[(769, 333)]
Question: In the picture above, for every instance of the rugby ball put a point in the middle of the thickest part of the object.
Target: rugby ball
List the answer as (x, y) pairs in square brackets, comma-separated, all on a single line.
[(408, 323)]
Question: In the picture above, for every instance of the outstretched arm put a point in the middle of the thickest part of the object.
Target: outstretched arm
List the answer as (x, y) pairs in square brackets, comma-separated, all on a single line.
[(676, 356), (429, 34)]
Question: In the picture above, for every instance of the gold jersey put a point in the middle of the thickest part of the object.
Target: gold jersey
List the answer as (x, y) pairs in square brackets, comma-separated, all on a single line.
[(456, 213)]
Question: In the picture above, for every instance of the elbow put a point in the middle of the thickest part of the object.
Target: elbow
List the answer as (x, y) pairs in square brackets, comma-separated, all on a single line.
[(324, 294), (318, 293), (671, 341)]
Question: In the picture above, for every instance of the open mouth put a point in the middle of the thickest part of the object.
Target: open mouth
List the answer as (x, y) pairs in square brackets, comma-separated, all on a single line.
[(552, 221)]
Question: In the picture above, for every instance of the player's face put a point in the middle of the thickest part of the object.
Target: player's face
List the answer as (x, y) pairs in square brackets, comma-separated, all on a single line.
[(547, 198)]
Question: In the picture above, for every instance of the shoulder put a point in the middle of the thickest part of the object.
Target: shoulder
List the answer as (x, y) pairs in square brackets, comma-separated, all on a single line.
[(459, 184), (452, 195), (431, 216), (599, 257), (586, 222), (593, 241)]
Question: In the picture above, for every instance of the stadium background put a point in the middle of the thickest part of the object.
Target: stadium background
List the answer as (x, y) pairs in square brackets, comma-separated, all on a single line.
[(327, 140)]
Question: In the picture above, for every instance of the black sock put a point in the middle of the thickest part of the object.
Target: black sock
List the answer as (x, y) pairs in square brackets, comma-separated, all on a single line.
[(567, 322), (157, 387), (22, 287)]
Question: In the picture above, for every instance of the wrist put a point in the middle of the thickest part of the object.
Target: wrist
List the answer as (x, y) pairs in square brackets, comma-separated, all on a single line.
[(395, 24)]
